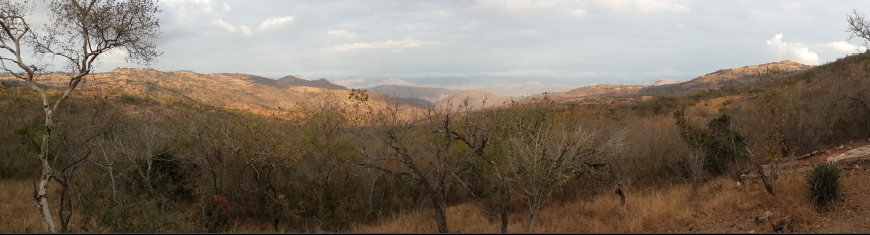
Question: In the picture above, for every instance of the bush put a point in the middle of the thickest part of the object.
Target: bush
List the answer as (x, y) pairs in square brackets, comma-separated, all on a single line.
[(824, 183)]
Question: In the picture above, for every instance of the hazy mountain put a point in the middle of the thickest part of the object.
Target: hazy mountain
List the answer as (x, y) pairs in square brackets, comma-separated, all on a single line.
[(524, 89), (426, 93), (475, 99), (291, 80), (668, 81)]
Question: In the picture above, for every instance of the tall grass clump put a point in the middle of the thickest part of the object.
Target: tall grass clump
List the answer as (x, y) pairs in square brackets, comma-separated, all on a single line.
[(824, 183)]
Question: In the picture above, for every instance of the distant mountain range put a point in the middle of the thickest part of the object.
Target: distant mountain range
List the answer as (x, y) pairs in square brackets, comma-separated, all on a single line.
[(244, 91), (430, 94)]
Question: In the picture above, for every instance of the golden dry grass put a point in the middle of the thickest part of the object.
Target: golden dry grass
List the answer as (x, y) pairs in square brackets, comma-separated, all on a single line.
[(18, 212), (674, 208)]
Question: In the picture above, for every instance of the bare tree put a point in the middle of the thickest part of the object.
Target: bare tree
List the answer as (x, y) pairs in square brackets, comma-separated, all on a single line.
[(476, 130), (413, 147), (858, 27), (543, 154), (78, 32)]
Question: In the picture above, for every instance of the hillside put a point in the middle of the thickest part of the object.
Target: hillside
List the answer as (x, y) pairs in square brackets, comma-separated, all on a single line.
[(721, 78), (726, 78), (230, 90), (426, 93)]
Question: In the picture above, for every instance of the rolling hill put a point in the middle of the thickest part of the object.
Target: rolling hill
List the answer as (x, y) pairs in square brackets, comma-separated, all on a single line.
[(230, 90)]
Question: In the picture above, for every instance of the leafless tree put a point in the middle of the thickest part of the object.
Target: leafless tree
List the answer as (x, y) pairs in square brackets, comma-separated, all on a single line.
[(418, 148), (543, 154), (858, 27), (78, 32)]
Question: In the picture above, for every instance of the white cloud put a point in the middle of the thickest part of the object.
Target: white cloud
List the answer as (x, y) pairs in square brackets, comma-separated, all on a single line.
[(645, 6), (228, 26), (275, 22), (524, 73), (227, 7), (246, 30), (341, 34), (385, 44), (798, 52), (115, 55), (579, 13), (843, 46), (680, 25)]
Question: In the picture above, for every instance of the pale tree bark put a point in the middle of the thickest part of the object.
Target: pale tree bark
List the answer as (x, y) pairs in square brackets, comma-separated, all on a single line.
[(79, 31)]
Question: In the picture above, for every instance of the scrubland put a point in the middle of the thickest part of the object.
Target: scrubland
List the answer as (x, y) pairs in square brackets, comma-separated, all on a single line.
[(143, 163)]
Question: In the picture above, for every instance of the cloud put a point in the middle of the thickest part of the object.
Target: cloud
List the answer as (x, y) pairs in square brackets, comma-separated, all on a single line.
[(645, 6), (579, 13), (275, 22), (843, 46), (246, 31), (524, 73), (227, 7), (341, 34), (115, 55), (385, 44), (798, 52), (228, 26)]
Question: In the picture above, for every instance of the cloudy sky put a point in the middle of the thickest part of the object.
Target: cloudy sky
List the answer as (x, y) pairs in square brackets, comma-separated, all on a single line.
[(470, 44)]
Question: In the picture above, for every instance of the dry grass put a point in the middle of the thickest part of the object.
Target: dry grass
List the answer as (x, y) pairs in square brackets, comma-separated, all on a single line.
[(18, 212), (674, 208)]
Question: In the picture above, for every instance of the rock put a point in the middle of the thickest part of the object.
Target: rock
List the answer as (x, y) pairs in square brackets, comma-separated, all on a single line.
[(806, 164), (763, 217), (782, 225)]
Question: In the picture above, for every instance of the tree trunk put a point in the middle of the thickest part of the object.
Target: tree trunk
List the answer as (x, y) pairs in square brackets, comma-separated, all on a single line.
[(532, 216), (42, 190), (505, 198), (440, 216), (114, 187)]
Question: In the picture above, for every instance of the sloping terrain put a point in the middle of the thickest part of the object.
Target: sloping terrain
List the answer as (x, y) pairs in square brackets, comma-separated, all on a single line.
[(290, 81), (714, 80), (231, 90), (426, 93), (726, 78)]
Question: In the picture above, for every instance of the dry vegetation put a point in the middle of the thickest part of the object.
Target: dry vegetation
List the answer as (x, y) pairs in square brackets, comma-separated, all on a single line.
[(349, 161)]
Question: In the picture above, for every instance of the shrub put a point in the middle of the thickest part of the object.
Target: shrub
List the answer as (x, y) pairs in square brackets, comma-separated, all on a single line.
[(824, 183)]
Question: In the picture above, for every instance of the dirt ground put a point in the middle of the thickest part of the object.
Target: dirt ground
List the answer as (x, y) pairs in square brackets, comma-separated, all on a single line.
[(849, 214)]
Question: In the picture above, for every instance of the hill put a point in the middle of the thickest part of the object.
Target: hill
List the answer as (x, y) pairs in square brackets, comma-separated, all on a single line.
[(290, 81), (426, 93), (719, 79), (726, 78), (475, 99), (230, 90)]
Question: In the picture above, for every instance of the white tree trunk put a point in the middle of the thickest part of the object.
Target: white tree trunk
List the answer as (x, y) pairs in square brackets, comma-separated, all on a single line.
[(42, 190)]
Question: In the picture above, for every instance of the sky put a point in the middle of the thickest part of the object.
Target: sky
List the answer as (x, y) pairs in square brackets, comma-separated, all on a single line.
[(468, 44)]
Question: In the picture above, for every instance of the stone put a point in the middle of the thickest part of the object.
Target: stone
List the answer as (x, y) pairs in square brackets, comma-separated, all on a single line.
[(764, 217)]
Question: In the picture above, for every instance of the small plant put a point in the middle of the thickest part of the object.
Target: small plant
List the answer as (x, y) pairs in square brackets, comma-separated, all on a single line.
[(824, 183), (218, 214)]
